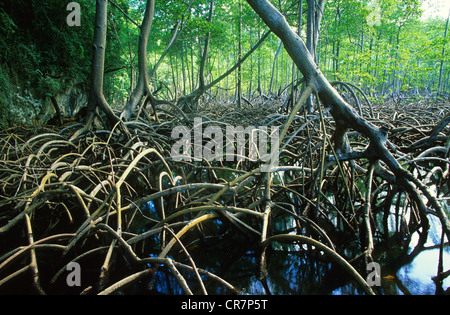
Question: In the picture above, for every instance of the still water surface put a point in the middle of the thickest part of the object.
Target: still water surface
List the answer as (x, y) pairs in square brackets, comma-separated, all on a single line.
[(296, 269), (297, 273)]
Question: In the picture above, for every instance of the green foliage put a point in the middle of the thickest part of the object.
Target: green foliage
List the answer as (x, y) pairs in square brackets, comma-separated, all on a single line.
[(5, 96), (42, 55), (397, 53)]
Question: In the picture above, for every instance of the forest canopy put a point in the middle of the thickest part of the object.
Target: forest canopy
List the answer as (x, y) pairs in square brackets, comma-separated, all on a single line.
[(386, 54)]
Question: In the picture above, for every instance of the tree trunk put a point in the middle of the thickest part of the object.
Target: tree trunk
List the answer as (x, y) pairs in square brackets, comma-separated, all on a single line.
[(295, 74), (310, 43), (142, 87), (201, 71), (58, 115), (336, 45), (274, 67), (96, 97), (443, 54), (176, 33), (239, 81), (310, 28), (186, 101), (183, 68), (312, 35), (319, 14), (259, 88)]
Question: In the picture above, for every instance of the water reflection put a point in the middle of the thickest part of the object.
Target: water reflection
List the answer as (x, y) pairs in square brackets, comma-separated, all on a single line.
[(406, 268), (417, 276)]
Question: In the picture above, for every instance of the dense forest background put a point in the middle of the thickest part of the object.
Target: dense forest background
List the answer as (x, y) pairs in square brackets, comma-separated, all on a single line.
[(384, 47)]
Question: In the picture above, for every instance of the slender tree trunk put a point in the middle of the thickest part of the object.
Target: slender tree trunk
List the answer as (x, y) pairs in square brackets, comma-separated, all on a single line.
[(192, 69), (336, 44), (312, 35), (58, 115), (319, 14), (249, 91), (174, 70), (443, 54), (310, 28), (98, 57), (310, 43), (131, 61), (239, 82), (295, 74), (259, 88), (183, 68), (201, 75), (142, 87), (192, 99), (96, 98), (186, 101), (177, 30), (274, 69)]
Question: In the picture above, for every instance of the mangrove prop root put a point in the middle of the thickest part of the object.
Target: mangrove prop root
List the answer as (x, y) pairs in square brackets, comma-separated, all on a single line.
[(125, 208)]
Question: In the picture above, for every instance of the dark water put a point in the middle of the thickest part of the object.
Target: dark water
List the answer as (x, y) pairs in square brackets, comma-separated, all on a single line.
[(298, 272), (299, 269)]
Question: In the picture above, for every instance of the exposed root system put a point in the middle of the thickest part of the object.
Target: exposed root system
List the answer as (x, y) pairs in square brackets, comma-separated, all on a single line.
[(126, 212)]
